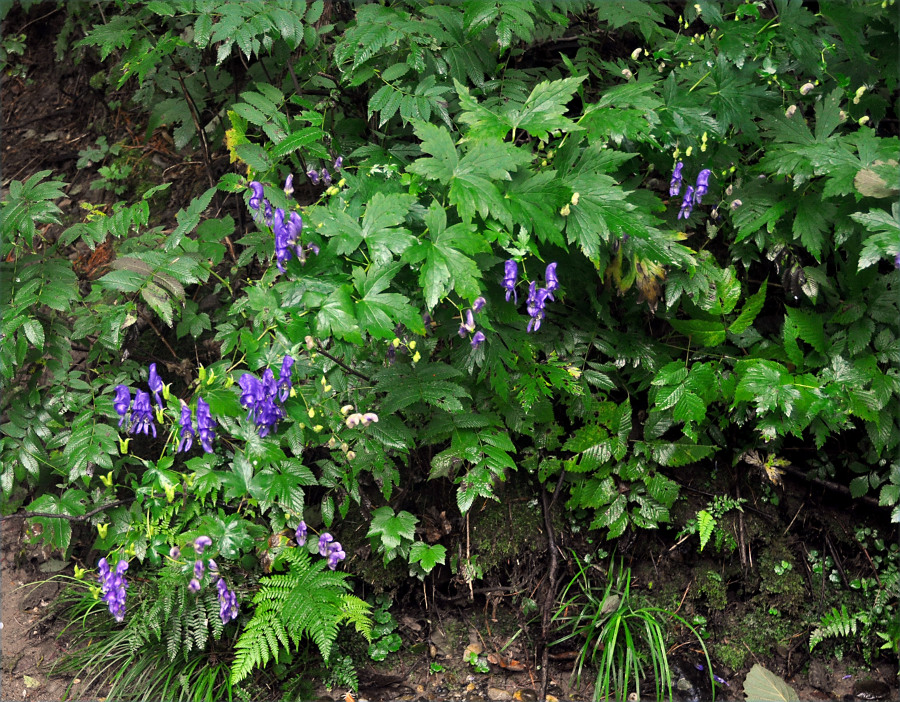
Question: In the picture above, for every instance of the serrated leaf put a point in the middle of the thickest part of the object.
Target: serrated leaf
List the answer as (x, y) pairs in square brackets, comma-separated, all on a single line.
[(705, 333), (427, 556), (751, 308)]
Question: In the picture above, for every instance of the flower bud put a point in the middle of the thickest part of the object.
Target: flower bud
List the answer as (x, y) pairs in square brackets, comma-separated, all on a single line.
[(806, 88), (345, 447), (346, 409), (735, 204), (791, 111), (627, 73), (351, 455), (636, 53), (862, 120)]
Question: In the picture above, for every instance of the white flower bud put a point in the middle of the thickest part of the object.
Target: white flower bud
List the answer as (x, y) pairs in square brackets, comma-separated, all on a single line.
[(806, 88), (627, 73), (636, 53), (791, 111)]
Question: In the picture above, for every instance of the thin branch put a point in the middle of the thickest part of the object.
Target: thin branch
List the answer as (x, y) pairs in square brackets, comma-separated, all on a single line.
[(70, 517), (343, 365)]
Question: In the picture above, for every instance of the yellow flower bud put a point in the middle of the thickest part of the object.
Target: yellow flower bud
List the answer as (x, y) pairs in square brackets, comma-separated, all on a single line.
[(229, 381), (342, 182), (575, 197), (102, 529), (327, 388), (412, 345), (346, 409), (416, 357), (79, 572), (688, 151), (565, 210), (862, 120), (318, 428), (311, 413), (396, 343)]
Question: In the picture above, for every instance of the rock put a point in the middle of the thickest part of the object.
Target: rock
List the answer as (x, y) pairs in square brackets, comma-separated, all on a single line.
[(871, 690), (497, 695), (819, 677), (525, 694)]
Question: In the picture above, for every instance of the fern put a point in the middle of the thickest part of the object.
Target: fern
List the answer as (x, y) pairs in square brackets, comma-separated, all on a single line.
[(836, 624), (305, 602), (705, 523), (181, 622)]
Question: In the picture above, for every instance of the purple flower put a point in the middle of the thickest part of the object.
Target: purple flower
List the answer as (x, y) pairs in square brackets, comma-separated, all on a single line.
[(287, 238), (200, 543), (256, 199), (122, 403), (284, 378), (468, 325), (206, 425), (301, 533), (187, 430), (479, 304), (113, 586), (368, 418), (198, 569), (338, 163), (313, 175), (702, 185), (174, 553), (268, 215), (213, 566), (156, 385), (335, 555), (141, 416), (289, 185), (477, 339), (259, 396), (194, 585), (228, 609), (326, 176), (675, 183), (897, 260), (537, 299), (551, 281), (687, 203), (324, 540), (510, 273)]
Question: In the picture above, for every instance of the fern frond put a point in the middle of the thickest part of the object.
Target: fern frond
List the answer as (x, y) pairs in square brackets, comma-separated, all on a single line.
[(834, 624)]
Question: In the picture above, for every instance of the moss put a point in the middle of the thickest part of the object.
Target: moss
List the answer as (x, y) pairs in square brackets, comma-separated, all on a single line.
[(780, 579), (505, 529), (711, 588), (731, 655)]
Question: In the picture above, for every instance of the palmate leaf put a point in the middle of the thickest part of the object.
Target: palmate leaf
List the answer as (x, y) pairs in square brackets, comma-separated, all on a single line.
[(445, 256), (425, 382), (58, 532)]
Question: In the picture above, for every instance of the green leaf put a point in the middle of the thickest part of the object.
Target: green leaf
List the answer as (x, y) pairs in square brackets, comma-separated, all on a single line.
[(338, 316), (760, 685), (390, 529), (427, 556), (705, 333), (705, 525), (751, 308), (810, 327)]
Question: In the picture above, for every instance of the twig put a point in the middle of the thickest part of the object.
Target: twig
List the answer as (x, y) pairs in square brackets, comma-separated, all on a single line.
[(343, 365), (195, 116), (69, 517), (161, 337), (802, 505)]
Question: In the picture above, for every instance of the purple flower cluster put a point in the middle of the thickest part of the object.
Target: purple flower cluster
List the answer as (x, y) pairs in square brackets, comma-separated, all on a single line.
[(141, 411), (228, 608), (113, 586), (328, 547), (324, 176), (537, 297), (510, 273), (205, 423), (286, 227), (468, 323), (264, 398), (693, 194)]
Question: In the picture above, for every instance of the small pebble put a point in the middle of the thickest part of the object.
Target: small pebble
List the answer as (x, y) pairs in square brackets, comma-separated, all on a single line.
[(871, 690)]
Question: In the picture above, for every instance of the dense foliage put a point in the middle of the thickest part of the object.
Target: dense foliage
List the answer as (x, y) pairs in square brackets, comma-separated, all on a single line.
[(592, 242)]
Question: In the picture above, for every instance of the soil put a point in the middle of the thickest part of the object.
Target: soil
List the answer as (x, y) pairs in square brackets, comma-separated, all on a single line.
[(51, 113)]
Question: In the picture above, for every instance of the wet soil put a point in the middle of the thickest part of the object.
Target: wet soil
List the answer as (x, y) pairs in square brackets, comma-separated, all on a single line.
[(51, 113)]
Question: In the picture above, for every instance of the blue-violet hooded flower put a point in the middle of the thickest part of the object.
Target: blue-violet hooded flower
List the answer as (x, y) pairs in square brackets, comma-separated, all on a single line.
[(702, 185), (228, 609), (141, 415), (113, 586), (256, 199), (301, 533), (324, 540), (206, 425), (335, 554), (156, 385), (200, 544), (122, 403), (477, 339), (675, 183), (187, 433), (687, 203), (550, 279), (510, 273)]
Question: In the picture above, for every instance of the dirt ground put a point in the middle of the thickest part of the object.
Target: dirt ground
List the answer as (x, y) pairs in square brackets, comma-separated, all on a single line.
[(50, 113)]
